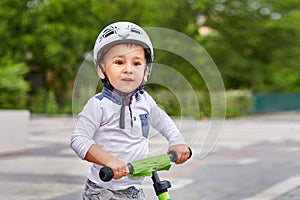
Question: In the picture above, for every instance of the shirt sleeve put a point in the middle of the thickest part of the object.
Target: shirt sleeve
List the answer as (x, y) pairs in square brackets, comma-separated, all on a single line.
[(86, 126), (160, 121)]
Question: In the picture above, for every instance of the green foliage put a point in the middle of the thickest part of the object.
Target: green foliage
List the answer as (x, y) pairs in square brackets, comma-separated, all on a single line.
[(52, 37), (38, 102), (13, 87), (45, 102), (167, 101), (51, 106), (238, 103), (255, 44)]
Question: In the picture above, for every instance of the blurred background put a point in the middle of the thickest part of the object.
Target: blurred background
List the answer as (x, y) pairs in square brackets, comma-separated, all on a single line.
[(45, 44), (254, 43)]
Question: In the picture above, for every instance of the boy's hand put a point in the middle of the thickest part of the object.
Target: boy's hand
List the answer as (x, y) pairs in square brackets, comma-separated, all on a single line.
[(101, 157), (182, 151), (119, 168)]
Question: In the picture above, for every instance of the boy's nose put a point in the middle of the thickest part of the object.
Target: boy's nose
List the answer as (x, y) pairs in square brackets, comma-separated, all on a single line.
[(129, 68)]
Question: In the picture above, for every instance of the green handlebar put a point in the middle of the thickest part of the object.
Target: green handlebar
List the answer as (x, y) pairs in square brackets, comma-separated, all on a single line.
[(142, 168)]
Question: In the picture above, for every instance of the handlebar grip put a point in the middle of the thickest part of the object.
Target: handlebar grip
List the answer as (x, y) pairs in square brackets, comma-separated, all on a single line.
[(191, 153), (106, 174), (173, 155)]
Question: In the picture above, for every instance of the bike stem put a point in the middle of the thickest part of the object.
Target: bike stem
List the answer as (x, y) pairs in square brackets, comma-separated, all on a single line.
[(160, 187)]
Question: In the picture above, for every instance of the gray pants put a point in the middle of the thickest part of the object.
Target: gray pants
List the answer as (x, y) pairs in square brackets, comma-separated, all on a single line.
[(94, 192)]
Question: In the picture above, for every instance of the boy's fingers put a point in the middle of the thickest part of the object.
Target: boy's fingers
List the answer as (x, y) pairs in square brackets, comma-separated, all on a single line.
[(119, 173), (183, 157)]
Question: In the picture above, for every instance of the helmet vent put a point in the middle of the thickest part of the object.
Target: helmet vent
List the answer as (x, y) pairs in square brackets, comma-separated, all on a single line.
[(108, 32), (134, 30)]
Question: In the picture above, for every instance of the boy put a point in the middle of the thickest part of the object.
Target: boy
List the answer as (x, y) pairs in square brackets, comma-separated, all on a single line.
[(112, 129)]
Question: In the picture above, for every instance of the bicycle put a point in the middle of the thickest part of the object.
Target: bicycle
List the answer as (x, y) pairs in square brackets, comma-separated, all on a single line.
[(148, 167)]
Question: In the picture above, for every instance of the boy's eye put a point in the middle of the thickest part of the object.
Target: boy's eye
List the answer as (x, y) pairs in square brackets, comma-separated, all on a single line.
[(119, 62), (137, 63)]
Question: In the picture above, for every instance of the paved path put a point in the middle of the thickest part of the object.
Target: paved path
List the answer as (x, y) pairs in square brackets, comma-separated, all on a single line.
[(49, 170)]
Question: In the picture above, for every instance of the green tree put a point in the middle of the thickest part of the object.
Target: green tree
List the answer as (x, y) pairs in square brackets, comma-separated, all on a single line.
[(52, 37), (49, 36), (13, 87), (254, 42)]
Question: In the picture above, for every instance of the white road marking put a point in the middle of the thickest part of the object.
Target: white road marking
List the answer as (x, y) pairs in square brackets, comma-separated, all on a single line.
[(247, 161), (277, 189), (242, 161), (292, 149)]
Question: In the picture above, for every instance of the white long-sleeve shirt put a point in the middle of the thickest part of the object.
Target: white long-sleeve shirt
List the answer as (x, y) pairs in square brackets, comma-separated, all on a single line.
[(98, 123)]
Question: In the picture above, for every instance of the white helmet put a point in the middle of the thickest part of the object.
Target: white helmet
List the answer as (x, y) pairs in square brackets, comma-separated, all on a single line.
[(120, 33)]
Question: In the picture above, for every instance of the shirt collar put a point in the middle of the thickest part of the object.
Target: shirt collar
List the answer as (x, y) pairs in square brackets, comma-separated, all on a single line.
[(118, 98)]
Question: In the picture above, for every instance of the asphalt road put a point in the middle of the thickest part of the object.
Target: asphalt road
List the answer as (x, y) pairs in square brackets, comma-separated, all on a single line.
[(255, 158)]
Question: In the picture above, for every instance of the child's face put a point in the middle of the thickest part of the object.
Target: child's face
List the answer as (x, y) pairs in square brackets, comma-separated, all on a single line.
[(125, 67)]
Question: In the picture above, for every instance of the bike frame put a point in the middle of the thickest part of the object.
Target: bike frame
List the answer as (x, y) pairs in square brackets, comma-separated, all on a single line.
[(160, 187)]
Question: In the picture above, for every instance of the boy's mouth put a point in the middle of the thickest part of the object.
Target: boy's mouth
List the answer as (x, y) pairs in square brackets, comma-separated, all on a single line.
[(127, 79)]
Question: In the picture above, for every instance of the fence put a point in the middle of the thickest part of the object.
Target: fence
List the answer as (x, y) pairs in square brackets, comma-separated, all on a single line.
[(275, 102)]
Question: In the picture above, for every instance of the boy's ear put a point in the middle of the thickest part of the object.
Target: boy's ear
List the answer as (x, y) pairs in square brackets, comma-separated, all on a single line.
[(100, 73), (146, 74)]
